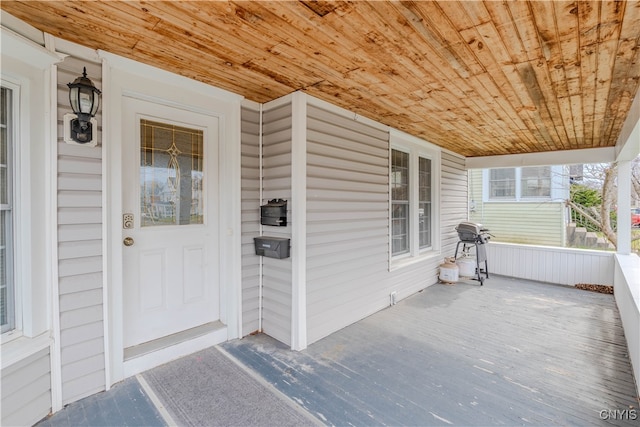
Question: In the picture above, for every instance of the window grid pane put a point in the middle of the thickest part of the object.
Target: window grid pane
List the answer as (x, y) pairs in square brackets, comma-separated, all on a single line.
[(502, 183), (424, 202), (7, 319), (536, 181), (399, 202)]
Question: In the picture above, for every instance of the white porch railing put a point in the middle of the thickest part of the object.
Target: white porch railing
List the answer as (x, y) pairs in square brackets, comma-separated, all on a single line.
[(564, 266), (627, 293)]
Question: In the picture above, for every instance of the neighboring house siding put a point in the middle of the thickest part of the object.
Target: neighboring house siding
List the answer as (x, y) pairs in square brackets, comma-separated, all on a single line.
[(250, 163), (530, 222), (347, 220), (79, 251), (276, 273), (26, 390)]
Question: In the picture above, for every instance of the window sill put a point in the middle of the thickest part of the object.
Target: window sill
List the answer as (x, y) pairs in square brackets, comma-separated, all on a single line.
[(20, 348), (402, 262)]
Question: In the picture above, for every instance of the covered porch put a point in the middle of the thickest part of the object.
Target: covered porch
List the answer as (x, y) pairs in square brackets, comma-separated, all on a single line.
[(331, 106), (512, 352)]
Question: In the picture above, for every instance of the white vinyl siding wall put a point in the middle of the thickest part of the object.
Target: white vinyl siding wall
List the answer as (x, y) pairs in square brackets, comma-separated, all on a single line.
[(26, 390), (347, 220), (276, 184), (453, 200), (348, 275), (250, 164), (80, 251)]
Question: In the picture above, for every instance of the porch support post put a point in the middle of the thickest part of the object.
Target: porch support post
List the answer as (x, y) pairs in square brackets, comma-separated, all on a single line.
[(624, 207), (299, 221)]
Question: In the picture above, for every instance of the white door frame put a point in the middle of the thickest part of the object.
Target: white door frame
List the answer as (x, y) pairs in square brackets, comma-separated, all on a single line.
[(123, 77)]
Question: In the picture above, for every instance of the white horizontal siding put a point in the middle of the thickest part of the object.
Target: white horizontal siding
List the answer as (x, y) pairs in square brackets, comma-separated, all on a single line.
[(348, 275), (453, 201), (26, 390), (250, 220), (276, 184), (347, 220), (565, 266), (79, 251)]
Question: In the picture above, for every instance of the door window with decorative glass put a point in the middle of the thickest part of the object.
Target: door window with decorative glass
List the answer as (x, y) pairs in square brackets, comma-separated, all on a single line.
[(171, 174)]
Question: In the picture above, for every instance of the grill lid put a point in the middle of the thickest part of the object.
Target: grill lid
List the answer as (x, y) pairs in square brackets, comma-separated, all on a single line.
[(469, 227)]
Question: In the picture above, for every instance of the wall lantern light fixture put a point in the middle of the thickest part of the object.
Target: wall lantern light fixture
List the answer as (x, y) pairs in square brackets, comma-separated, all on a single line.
[(84, 98)]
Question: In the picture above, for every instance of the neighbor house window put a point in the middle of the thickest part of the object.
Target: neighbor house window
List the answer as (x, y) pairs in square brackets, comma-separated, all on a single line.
[(502, 183), (535, 181), (414, 171), (520, 184), (7, 318)]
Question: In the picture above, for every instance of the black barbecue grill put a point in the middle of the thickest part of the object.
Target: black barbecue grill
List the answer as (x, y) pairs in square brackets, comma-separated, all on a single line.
[(472, 235)]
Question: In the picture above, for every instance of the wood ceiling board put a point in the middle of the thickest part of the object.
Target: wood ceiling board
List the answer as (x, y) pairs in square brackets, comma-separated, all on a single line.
[(476, 77)]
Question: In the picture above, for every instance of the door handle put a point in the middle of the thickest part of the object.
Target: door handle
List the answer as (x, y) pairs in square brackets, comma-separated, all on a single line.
[(128, 241)]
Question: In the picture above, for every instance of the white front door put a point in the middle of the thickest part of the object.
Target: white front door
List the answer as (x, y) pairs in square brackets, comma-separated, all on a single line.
[(170, 220)]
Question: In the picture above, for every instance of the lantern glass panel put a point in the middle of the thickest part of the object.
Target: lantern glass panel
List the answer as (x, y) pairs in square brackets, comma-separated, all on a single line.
[(96, 103), (86, 100), (73, 99)]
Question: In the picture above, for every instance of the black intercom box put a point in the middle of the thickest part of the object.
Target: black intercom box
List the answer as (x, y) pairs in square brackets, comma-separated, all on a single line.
[(274, 213), (272, 247)]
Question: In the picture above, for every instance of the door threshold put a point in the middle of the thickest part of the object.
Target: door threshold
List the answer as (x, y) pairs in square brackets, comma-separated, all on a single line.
[(150, 354)]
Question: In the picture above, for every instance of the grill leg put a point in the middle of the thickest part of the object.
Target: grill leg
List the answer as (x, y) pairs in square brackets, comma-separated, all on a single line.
[(478, 270), (456, 254)]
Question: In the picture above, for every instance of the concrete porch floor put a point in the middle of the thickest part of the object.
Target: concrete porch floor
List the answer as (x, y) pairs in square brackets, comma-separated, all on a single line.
[(511, 352)]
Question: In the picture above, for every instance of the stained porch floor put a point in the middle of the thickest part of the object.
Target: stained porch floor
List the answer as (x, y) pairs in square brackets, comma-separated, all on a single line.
[(511, 352)]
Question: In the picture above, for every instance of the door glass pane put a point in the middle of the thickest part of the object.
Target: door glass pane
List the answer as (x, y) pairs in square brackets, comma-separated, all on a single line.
[(171, 174)]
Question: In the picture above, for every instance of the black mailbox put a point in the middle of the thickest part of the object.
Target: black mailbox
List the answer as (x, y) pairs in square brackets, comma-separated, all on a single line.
[(274, 213), (272, 247)]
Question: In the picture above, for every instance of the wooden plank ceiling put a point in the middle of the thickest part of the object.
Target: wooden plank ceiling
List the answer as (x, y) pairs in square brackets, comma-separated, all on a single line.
[(476, 77)]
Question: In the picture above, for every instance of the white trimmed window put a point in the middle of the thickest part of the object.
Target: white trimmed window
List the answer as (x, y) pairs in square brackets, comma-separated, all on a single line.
[(400, 227), (414, 170), (7, 284)]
